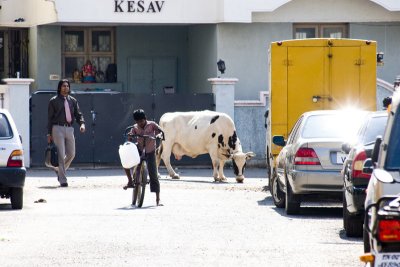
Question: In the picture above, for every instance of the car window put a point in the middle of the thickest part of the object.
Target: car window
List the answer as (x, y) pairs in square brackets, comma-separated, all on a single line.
[(331, 126), (393, 155), (294, 131), (5, 129), (376, 126)]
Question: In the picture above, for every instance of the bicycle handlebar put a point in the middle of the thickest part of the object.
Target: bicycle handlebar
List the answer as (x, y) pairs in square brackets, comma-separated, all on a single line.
[(143, 136), (128, 133)]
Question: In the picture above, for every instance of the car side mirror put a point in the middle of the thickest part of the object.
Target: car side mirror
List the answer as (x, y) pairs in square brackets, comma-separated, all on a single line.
[(278, 140), (368, 166), (346, 148), (375, 151), (383, 176), (266, 114)]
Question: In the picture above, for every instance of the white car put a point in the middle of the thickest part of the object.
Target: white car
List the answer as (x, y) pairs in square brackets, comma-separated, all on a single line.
[(12, 168), (382, 232)]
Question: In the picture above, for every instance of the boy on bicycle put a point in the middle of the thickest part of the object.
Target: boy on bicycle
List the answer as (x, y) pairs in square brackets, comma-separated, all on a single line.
[(143, 126)]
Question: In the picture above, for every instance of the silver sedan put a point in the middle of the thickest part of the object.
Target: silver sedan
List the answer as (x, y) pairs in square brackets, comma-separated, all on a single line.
[(311, 159)]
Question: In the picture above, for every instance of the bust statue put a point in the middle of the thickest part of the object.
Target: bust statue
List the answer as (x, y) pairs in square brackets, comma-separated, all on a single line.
[(89, 72)]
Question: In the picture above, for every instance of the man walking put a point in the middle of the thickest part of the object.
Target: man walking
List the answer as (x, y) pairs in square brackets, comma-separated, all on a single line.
[(62, 110)]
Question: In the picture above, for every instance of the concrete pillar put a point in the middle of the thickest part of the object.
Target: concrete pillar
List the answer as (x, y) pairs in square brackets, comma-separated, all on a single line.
[(16, 101), (224, 92)]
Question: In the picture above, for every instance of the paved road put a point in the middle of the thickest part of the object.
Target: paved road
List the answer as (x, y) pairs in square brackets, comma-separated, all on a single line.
[(202, 223)]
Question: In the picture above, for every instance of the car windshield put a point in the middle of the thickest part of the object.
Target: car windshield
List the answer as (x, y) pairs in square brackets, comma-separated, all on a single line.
[(376, 126), (331, 125), (393, 152), (5, 129)]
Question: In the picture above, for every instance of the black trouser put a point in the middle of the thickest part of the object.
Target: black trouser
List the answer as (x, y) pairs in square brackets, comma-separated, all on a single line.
[(152, 169)]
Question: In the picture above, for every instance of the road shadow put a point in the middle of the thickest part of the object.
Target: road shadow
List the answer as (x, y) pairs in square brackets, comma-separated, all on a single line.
[(195, 181), (132, 207), (49, 187), (314, 213), (6, 207), (342, 235), (267, 201)]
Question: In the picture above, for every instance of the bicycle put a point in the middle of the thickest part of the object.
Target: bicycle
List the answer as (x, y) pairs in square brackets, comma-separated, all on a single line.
[(140, 172)]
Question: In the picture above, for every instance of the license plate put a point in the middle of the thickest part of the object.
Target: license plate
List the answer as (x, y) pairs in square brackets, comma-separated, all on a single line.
[(387, 259), (340, 157)]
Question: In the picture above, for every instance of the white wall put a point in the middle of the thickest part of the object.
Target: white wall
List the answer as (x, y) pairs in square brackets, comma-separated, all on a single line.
[(328, 11), (215, 11), (172, 11), (34, 12), (39, 12)]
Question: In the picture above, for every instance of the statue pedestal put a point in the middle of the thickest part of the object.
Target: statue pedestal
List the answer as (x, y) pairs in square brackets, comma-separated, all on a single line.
[(224, 92), (16, 101)]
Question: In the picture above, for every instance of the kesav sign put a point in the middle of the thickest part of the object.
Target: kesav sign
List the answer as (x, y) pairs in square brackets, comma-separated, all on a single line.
[(140, 6)]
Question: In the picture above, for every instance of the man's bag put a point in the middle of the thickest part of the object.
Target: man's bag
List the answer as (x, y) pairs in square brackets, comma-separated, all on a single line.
[(51, 156)]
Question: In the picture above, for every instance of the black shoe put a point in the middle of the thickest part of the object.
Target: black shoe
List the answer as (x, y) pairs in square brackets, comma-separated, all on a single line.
[(64, 185), (129, 185)]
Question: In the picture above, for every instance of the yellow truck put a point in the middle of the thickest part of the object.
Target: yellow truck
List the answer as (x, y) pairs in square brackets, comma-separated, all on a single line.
[(315, 74)]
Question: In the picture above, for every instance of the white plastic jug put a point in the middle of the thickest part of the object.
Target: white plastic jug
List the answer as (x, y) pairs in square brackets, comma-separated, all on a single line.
[(129, 155)]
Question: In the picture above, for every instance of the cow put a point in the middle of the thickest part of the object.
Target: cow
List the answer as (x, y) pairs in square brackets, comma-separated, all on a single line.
[(195, 133)]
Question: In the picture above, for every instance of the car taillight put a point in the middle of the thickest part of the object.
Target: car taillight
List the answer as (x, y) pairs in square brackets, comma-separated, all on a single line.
[(306, 156), (15, 159), (357, 166), (389, 230)]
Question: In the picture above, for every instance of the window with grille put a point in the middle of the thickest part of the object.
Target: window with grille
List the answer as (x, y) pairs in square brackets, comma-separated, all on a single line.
[(80, 44), (330, 30)]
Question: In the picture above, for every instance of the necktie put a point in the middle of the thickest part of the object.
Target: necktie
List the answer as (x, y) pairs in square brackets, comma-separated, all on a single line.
[(67, 111)]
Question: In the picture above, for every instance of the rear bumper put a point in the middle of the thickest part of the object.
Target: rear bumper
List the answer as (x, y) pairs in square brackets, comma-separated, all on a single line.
[(356, 200), (304, 182), (12, 177)]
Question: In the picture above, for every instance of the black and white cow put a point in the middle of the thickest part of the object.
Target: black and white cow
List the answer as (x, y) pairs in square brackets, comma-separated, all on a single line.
[(200, 132)]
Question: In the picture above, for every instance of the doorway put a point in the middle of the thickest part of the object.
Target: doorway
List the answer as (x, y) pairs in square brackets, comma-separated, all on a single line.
[(152, 75)]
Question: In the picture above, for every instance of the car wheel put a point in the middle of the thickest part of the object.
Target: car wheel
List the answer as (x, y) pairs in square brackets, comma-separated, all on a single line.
[(16, 197), (292, 201), (353, 225), (367, 246), (277, 195)]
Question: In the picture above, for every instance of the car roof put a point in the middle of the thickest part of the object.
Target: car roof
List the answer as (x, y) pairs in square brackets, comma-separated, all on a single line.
[(380, 113), (333, 111)]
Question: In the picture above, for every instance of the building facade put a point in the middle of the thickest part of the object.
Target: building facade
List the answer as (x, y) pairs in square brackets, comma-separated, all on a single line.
[(152, 46)]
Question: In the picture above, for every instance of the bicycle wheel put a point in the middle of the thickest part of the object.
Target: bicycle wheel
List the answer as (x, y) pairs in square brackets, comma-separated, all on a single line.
[(143, 182), (136, 194)]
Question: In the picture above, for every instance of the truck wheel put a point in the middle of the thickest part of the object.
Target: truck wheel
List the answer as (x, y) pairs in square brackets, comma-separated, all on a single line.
[(292, 206), (276, 192), (17, 196), (353, 225)]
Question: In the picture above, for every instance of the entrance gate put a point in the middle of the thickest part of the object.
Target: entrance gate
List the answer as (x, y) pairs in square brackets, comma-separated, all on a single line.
[(106, 117)]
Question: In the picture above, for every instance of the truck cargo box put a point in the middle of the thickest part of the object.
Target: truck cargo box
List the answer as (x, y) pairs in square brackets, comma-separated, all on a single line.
[(313, 74)]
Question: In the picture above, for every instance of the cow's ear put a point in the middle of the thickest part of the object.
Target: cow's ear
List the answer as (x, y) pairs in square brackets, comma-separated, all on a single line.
[(250, 154)]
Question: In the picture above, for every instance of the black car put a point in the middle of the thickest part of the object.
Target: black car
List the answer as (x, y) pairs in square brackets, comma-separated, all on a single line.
[(355, 182)]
